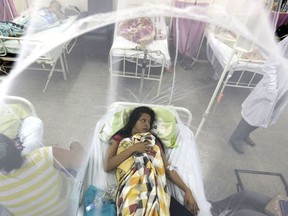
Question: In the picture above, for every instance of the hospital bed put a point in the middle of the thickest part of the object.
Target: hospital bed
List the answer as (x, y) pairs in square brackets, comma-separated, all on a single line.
[(128, 59), (19, 120), (10, 47), (244, 67), (172, 127)]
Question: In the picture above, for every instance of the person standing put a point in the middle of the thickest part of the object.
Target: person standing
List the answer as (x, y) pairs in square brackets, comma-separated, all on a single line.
[(266, 102)]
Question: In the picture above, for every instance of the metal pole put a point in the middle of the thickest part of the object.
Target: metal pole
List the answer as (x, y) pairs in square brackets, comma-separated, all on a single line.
[(143, 70), (9, 8), (205, 115)]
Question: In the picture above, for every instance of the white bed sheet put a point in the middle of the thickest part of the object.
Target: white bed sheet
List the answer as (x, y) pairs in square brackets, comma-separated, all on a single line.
[(185, 158), (121, 43), (13, 46), (223, 52)]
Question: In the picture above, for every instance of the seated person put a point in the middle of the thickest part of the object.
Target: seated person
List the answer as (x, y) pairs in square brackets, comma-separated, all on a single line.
[(34, 184), (138, 158), (242, 204)]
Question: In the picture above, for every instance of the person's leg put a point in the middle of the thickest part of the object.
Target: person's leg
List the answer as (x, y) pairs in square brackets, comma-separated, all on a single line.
[(240, 134), (237, 201)]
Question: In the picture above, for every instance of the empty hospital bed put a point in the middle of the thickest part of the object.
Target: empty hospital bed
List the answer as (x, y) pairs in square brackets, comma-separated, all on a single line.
[(140, 48)]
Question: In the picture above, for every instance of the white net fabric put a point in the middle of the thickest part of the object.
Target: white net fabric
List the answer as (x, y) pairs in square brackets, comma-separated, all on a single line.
[(195, 60)]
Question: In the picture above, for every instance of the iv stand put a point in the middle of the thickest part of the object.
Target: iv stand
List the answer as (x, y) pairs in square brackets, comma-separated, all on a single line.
[(225, 71)]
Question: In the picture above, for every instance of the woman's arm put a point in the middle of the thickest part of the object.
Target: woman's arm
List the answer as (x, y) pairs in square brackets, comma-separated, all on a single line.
[(113, 160), (72, 158), (189, 201)]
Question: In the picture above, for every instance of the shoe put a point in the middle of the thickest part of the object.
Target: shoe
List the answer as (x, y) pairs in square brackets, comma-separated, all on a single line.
[(237, 146), (249, 141)]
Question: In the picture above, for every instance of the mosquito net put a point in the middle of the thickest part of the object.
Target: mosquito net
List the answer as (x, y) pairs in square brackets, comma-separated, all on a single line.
[(70, 63)]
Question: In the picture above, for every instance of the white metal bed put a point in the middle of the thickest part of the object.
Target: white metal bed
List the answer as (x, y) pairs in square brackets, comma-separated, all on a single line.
[(184, 156), (219, 50), (130, 60), (10, 48)]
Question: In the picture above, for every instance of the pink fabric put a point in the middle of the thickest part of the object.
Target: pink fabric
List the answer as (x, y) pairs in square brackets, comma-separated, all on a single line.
[(5, 14), (190, 32), (282, 18)]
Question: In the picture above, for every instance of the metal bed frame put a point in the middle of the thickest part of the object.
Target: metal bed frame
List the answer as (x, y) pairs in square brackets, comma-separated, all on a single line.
[(8, 99), (240, 186), (143, 65), (48, 62)]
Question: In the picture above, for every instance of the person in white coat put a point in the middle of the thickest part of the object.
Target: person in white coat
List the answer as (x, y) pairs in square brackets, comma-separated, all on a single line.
[(266, 102)]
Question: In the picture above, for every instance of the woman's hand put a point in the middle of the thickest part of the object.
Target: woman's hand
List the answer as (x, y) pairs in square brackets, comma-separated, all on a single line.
[(190, 203), (141, 147)]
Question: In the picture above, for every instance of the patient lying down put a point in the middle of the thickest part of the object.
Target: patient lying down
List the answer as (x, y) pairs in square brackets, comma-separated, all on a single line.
[(138, 158)]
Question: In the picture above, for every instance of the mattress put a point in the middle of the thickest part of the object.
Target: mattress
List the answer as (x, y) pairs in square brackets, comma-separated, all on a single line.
[(220, 47)]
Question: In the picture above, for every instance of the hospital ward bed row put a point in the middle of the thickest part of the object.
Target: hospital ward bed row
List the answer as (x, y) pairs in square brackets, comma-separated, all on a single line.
[(41, 27), (132, 58)]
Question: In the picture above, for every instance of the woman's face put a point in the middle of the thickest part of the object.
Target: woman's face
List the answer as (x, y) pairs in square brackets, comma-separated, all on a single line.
[(143, 124)]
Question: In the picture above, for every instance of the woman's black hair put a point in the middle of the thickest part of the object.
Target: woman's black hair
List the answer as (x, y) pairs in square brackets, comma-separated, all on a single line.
[(126, 131), (10, 156)]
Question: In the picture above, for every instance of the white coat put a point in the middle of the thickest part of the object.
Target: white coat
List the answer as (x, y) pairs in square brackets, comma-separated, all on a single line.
[(269, 98)]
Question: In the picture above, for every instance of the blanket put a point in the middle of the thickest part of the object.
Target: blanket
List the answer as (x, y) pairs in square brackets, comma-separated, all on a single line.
[(141, 179), (11, 29), (140, 30)]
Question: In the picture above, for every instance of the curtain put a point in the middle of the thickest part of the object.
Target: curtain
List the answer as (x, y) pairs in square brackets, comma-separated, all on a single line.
[(7, 10), (190, 31)]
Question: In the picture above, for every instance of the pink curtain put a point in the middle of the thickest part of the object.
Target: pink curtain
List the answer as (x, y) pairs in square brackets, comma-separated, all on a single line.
[(7, 10), (190, 31), (282, 18)]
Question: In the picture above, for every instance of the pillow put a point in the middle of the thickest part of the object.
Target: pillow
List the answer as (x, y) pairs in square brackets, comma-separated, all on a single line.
[(10, 119), (164, 126), (139, 30)]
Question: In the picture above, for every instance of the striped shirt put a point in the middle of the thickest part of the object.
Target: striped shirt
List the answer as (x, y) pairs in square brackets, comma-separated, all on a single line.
[(36, 188)]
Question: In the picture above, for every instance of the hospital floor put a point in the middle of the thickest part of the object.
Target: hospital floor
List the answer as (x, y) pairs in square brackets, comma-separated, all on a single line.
[(70, 110)]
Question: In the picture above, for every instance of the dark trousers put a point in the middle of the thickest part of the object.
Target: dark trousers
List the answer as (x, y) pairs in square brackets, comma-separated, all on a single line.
[(176, 209)]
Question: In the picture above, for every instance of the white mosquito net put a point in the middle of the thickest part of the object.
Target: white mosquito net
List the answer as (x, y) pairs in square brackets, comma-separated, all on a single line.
[(220, 59)]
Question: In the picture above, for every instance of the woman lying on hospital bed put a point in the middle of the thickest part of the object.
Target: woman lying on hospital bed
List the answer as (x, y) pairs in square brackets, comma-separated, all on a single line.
[(138, 158), (43, 18)]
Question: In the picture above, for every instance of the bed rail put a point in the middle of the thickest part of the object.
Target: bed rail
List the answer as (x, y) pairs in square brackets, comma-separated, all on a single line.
[(8, 99), (49, 59), (137, 63)]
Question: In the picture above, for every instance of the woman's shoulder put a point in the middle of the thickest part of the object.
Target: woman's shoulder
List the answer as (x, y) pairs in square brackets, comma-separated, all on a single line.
[(117, 137)]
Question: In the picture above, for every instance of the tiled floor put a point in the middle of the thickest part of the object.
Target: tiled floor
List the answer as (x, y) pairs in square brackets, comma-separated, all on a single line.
[(70, 110)]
